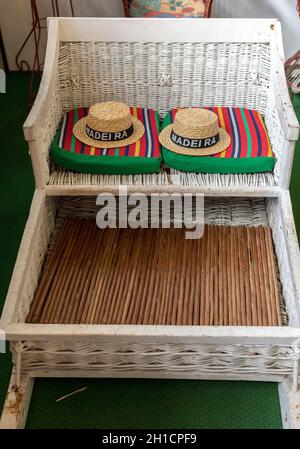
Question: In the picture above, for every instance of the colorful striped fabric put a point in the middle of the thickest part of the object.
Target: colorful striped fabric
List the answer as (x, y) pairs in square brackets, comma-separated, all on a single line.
[(147, 147), (249, 137), (250, 150)]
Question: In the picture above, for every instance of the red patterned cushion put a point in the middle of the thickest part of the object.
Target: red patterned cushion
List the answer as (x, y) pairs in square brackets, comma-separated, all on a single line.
[(168, 8)]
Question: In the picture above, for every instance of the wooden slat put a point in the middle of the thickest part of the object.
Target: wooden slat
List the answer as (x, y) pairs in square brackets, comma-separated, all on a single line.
[(157, 277)]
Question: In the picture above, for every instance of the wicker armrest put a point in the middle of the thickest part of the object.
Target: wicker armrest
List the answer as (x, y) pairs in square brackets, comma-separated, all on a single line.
[(287, 116), (46, 113), (281, 120), (44, 101), (41, 111)]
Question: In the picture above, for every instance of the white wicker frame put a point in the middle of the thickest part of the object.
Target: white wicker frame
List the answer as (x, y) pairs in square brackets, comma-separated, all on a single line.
[(235, 353), (155, 351), (163, 64), (148, 64)]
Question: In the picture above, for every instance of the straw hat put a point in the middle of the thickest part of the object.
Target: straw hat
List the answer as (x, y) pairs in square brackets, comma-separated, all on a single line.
[(109, 125), (195, 132)]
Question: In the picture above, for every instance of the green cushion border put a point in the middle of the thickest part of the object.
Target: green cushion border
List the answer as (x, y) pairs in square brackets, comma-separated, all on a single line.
[(107, 165), (215, 165)]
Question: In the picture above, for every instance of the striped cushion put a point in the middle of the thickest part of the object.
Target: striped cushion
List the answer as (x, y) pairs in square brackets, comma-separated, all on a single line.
[(141, 157), (250, 150)]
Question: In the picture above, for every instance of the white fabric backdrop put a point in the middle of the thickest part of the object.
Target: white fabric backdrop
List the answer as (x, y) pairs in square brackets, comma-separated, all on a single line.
[(285, 10), (15, 17)]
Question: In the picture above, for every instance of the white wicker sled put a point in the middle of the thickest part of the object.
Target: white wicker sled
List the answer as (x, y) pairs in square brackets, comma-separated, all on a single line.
[(159, 64)]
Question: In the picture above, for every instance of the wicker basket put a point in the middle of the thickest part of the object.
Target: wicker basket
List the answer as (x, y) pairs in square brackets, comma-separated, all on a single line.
[(182, 63)]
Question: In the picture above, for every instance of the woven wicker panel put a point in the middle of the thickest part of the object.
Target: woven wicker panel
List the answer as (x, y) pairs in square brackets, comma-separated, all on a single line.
[(165, 178), (163, 359), (217, 211), (157, 277), (163, 76)]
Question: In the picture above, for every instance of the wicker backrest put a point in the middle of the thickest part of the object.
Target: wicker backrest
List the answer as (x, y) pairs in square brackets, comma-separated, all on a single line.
[(163, 76)]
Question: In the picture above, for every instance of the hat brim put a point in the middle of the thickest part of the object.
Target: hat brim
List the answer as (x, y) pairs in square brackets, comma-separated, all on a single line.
[(79, 131), (222, 145)]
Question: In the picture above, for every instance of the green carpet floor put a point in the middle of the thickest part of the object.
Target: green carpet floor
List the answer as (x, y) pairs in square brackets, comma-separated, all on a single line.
[(114, 403)]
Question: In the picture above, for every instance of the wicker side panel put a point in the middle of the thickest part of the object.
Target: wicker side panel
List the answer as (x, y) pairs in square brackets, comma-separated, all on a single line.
[(49, 125), (37, 252), (162, 76), (276, 135), (122, 357), (283, 260)]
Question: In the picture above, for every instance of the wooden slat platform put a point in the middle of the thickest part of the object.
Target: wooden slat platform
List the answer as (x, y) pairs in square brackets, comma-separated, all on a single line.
[(157, 277)]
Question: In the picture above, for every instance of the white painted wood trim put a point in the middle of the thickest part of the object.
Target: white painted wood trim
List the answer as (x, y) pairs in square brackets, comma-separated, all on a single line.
[(17, 403), (290, 406), (24, 252), (165, 30), (95, 190), (288, 153), (141, 334), (35, 150), (163, 374)]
